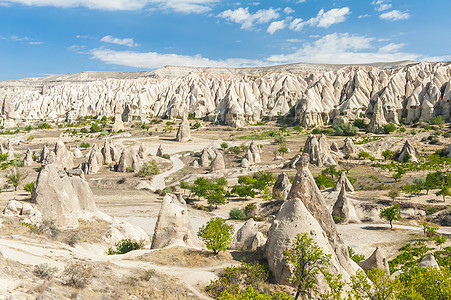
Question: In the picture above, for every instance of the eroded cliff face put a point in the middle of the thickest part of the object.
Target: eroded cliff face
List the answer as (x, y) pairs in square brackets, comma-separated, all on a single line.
[(316, 95)]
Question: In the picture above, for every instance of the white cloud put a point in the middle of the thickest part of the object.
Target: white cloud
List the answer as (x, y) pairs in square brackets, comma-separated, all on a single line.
[(184, 6), (124, 42), (288, 10), (395, 15), (301, 1), (323, 19), (248, 20), (153, 60), (381, 5), (35, 43), (343, 49), (82, 36), (392, 47), (26, 39), (364, 16), (274, 26), (294, 40)]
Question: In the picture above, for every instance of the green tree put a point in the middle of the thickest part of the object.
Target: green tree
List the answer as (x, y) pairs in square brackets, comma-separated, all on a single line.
[(387, 154), (95, 128), (15, 178), (216, 234), (306, 260), (360, 123), (283, 150), (345, 129), (29, 187), (393, 192), (389, 128), (375, 285), (243, 191), (444, 191), (426, 283), (391, 214)]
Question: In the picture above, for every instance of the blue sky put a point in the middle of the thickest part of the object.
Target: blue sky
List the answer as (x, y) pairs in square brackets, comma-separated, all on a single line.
[(43, 37)]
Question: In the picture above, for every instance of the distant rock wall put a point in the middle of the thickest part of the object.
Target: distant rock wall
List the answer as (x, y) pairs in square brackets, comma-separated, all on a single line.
[(417, 91)]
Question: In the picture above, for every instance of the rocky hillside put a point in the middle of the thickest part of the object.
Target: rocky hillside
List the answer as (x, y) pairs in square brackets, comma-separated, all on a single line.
[(408, 91)]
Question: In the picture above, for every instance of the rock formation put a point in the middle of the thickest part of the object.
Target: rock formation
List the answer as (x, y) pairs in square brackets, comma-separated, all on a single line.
[(344, 181), (218, 163), (281, 187), (207, 156), (23, 210), (349, 148), (319, 93), (408, 153), (129, 161), (28, 159), (343, 209), (58, 200), (77, 153), (245, 238), (95, 161), (305, 211), (63, 157), (173, 227), (142, 151), (255, 152), (376, 260), (245, 163), (378, 118), (429, 262), (160, 151), (319, 151), (44, 153), (183, 133)]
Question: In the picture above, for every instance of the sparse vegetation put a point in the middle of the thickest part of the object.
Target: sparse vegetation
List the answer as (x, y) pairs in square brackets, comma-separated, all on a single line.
[(216, 234), (124, 246), (77, 275), (148, 169)]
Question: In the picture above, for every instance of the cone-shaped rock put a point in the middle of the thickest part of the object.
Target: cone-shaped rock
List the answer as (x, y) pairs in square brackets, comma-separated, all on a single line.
[(319, 151), (218, 163), (142, 151), (206, 157), (344, 208), (183, 134), (129, 161), (408, 153), (349, 148), (106, 152), (282, 186), (118, 124), (64, 159), (95, 161), (376, 260), (344, 181), (77, 153), (245, 236), (378, 120), (44, 153), (173, 227), (305, 211), (160, 151), (28, 159), (429, 262)]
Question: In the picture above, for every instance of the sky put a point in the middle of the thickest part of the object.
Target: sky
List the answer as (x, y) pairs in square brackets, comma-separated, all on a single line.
[(46, 37)]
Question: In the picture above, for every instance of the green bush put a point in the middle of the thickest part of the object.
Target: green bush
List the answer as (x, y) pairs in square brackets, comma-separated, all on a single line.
[(216, 234), (44, 126), (84, 130), (366, 155), (387, 154), (124, 246), (345, 129), (148, 168), (437, 121), (29, 128), (324, 181), (360, 123), (355, 256), (166, 156), (29, 187), (44, 271), (389, 128), (85, 145), (95, 128), (224, 145), (237, 214)]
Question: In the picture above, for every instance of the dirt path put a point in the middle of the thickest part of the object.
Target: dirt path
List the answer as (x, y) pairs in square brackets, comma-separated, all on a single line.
[(158, 181)]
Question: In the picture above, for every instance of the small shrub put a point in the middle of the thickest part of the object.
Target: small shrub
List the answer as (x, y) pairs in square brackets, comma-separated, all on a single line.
[(95, 128), (250, 209), (44, 126), (389, 128), (29, 128), (130, 169), (84, 130), (85, 145), (345, 129), (216, 234), (166, 156), (387, 154), (148, 168), (337, 219), (72, 239), (366, 155), (429, 229), (29, 187), (437, 121), (77, 275), (355, 256), (360, 123), (124, 246), (224, 145), (237, 214), (44, 271)]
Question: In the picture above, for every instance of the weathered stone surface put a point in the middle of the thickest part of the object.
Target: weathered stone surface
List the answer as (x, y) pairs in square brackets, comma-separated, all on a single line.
[(77, 153), (344, 208), (349, 148), (95, 161), (244, 237), (344, 181), (245, 163), (218, 163), (319, 151), (63, 157), (173, 227), (429, 262), (378, 118), (160, 151), (129, 161), (408, 153), (183, 133), (305, 211), (13, 208), (44, 153), (281, 187), (28, 159), (376, 260)]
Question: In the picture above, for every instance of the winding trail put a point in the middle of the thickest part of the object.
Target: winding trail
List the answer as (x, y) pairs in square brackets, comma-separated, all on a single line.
[(158, 181)]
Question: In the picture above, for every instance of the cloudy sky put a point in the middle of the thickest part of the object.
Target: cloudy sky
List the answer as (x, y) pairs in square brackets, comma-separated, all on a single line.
[(44, 37)]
